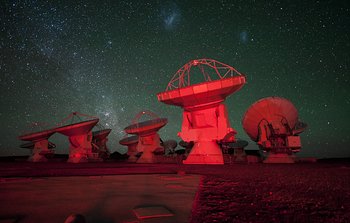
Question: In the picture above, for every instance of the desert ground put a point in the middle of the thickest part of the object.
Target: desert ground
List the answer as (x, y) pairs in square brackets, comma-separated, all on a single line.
[(301, 192)]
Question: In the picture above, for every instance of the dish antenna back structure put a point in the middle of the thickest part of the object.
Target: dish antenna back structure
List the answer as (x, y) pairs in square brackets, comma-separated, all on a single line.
[(273, 123), (148, 138), (205, 119), (99, 142), (39, 143), (131, 142), (80, 137)]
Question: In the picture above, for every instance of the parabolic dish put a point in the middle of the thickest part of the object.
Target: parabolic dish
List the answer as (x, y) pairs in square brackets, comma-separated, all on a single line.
[(36, 136), (101, 134), (79, 128), (270, 109), (146, 127), (299, 128), (28, 145), (204, 93), (129, 140)]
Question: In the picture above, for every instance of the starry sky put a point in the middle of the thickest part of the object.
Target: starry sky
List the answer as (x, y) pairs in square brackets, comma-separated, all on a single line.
[(110, 59)]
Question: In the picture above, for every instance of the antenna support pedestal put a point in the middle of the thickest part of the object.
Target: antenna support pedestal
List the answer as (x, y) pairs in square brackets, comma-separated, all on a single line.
[(40, 151), (80, 148), (148, 144), (205, 152)]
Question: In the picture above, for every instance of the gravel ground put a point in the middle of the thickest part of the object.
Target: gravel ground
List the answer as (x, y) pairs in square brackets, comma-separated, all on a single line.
[(275, 193)]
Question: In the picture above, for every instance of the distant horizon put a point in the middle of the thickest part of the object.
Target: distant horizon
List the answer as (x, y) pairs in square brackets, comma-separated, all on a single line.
[(296, 154)]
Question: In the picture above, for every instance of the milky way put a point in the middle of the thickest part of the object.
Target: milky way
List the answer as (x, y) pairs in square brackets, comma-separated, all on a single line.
[(109, 59)]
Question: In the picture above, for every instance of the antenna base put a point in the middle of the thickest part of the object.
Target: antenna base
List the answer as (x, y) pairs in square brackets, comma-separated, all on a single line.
[(205, 152)]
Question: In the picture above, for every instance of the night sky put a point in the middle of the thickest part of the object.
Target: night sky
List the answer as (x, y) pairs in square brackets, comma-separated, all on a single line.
[(110, 58)]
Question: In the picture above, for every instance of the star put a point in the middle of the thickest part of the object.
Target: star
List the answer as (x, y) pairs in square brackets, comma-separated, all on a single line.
[(111, 59)]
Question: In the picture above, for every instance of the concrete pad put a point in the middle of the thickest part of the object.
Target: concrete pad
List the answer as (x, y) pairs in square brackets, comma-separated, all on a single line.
[(102, 199), (152, 212)]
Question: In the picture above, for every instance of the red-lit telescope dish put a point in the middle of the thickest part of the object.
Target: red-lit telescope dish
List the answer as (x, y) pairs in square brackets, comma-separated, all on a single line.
[(147, 127), (37, 136), (205, 118), (268, 109), (129, 140), (101, 134), (204, 94), (79, 128)]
